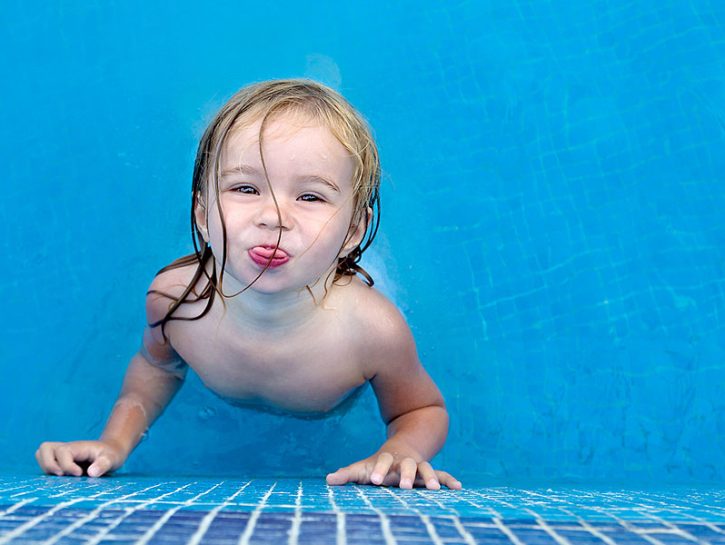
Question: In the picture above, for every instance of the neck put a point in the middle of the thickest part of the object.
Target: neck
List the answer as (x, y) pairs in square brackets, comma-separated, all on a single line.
[(274, 313)]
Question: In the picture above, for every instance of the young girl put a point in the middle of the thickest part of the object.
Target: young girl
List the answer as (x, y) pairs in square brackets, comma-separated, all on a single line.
[(268, 310)]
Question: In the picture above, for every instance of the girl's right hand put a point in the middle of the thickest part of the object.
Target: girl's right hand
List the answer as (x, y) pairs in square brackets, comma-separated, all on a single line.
[(98, 457)]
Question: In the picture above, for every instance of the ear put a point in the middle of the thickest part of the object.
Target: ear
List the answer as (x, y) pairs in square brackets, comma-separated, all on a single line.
[(200, 216), (356, 233)]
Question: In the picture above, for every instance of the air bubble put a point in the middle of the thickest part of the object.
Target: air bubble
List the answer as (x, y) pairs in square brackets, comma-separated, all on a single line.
[(206, 413)]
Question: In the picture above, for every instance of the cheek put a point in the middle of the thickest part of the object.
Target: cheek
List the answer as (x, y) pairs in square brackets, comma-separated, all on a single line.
[(213, 224), (333, 230), (214, 229)]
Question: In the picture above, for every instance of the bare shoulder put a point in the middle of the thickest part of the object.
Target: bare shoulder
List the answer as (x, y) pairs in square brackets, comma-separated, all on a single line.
[(380, 327), (165, 289), (369, 307)]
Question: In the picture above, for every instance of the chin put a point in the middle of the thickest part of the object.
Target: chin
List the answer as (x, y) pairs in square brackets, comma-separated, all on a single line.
[(266, 283)]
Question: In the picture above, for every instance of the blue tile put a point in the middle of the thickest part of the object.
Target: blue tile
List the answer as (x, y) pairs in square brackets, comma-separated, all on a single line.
[(370, 515)]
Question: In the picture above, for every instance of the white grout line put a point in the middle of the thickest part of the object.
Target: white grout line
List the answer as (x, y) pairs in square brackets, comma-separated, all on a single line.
[(340, 532), (15, 507), (340, 536), (127, 513), (2, 492), (384, 521), (93, 516), (627, 526), (702, 522), (467, 537), (40, 518), (294, 531), (714, 510), (249, 529), (673, 507), (541, 523), (498, 522), (498, 519), (606, 504), (674, 529), (168, 514), (209, 518), (591, 529)]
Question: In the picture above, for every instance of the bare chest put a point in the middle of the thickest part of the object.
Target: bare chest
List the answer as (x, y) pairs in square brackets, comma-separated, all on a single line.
[(308, 371)]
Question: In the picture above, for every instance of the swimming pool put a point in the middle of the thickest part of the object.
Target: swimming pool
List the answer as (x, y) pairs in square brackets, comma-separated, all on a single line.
[(552, 230)]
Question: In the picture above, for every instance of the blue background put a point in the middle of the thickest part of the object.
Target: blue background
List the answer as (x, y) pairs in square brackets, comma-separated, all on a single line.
[(552, 224)]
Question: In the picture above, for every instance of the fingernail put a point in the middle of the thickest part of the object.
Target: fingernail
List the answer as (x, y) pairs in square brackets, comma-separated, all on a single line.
[(433, 483), (405, 483)]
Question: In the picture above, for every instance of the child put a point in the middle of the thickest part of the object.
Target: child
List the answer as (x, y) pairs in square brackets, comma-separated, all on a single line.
[(268, 310)]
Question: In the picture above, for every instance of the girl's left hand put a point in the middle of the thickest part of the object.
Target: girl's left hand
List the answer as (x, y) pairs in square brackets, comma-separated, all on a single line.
[(386, 469)]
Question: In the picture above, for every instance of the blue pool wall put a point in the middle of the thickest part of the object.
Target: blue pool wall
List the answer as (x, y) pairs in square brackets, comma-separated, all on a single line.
[(552, 224)]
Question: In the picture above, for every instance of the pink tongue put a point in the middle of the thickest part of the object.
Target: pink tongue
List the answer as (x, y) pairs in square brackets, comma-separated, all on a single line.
[(268, 252)]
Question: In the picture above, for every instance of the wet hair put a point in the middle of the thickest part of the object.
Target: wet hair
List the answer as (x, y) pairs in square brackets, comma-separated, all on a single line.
[(266, 101)]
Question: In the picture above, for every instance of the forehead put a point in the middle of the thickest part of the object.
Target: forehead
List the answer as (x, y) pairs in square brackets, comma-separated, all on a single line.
[(289, 140)]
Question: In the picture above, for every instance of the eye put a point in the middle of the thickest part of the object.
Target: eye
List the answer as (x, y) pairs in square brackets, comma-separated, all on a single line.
[(250, 190), (309, 197), (245, 189)]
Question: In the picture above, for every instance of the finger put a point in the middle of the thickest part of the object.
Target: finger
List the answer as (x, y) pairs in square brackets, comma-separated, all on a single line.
[(408, 469), (381, 468), (100, 466), (448, 480), (428, 475), (337, 478), (354, 473), (46, 459), (64, 455)]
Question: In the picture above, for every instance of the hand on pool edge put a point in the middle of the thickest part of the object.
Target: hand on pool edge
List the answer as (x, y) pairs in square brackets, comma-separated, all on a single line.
[(385, 469), (79, 458)]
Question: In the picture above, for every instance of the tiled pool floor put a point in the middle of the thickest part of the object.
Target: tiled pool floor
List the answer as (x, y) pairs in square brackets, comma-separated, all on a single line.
[(217, 511)]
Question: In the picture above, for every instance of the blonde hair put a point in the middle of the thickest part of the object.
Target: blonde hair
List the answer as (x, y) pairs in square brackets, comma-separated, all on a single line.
[(265, 101)]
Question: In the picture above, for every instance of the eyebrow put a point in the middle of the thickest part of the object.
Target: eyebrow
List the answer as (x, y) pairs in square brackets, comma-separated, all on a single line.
[(251, 171)]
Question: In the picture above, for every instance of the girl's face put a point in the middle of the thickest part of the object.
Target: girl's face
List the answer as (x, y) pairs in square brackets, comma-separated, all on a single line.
[(311, 174)]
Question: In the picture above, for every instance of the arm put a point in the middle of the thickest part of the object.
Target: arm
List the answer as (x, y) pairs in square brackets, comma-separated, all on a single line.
[(410, 403), (146, 391), (421, 431), (153, 377), (411, 406)]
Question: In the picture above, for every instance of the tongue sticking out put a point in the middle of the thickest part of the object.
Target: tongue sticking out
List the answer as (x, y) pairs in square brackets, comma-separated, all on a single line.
[(266, 253)]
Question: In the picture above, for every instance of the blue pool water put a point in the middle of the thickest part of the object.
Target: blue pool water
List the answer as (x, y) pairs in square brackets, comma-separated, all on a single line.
[(552, 229)]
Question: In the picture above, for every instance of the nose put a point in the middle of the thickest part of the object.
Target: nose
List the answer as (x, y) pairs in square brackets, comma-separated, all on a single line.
[(267, 215)]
